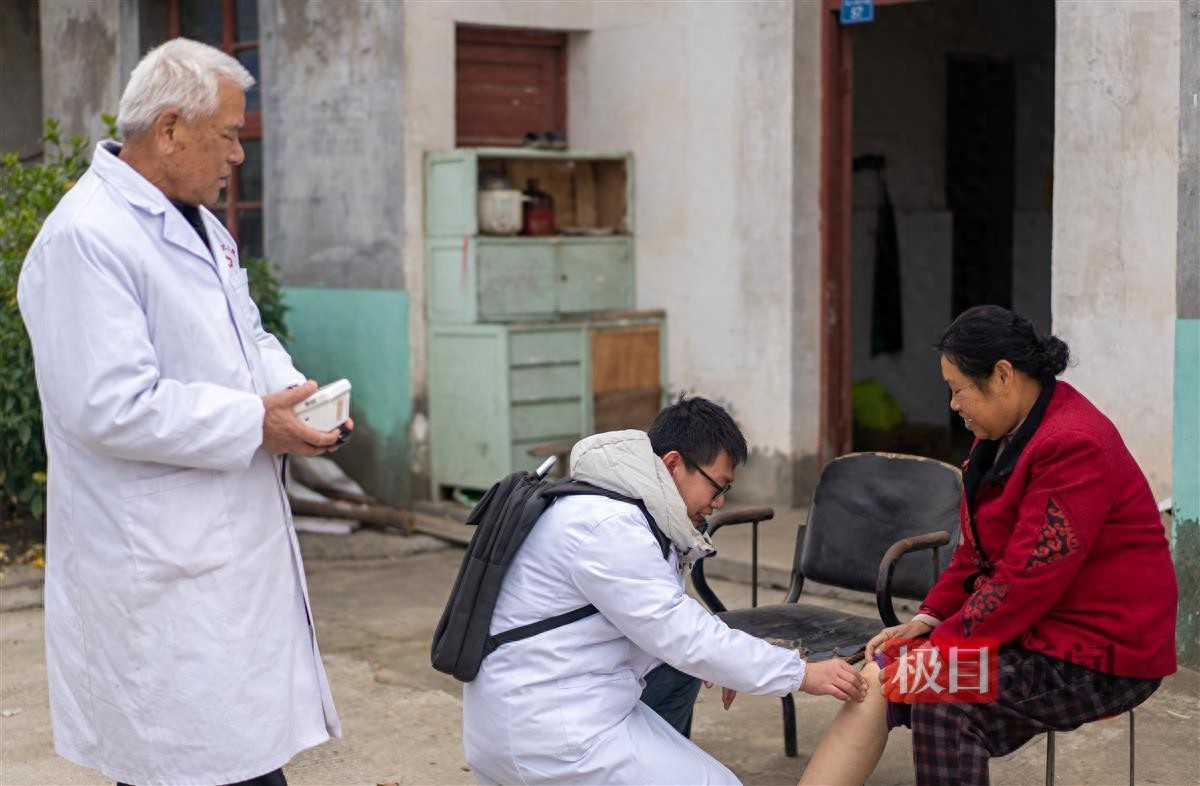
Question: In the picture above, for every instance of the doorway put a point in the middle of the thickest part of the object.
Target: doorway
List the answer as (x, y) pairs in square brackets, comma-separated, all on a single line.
[(939, 132)]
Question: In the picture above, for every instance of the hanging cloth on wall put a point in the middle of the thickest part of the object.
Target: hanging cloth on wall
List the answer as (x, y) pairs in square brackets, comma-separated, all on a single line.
[(887, 329)]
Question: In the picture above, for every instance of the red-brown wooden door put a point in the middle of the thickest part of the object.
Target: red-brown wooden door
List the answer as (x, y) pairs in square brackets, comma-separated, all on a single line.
[(508, 83)]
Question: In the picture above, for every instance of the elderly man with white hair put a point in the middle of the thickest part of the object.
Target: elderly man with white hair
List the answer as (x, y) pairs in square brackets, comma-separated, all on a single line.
[(179, 638)]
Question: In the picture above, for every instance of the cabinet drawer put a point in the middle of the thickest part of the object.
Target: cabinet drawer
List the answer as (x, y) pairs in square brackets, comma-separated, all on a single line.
[(547, 420), (546, 346), (538, 383)]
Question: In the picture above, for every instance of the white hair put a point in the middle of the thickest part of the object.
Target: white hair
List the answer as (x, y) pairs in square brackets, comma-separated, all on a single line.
[(180, 74)]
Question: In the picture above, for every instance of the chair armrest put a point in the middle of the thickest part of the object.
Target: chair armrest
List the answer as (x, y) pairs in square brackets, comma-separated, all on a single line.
[(887, 566), (728, 518)]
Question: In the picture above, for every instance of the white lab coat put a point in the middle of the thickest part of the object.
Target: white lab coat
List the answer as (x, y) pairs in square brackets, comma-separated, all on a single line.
[(563, 706), (178, 639)]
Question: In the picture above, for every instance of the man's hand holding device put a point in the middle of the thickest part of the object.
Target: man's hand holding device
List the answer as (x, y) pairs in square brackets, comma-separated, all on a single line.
[(306, 420)]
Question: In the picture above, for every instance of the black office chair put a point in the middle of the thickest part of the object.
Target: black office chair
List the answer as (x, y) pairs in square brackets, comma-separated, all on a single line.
[(868, 510)]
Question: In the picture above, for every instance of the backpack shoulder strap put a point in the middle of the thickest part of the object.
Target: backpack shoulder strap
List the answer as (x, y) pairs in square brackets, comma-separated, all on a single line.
[(534, 628), (574, 488)]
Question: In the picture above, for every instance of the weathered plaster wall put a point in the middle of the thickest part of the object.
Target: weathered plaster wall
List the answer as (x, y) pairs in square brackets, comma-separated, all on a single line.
[(89, 47), (702, 93), (1116, 166), (333, 118), (1185, 530), (360, 335), (21, 76), (799, 464)]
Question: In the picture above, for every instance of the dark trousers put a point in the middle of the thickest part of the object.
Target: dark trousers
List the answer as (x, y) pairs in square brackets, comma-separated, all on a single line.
[(672, 694), (952, 743), (270, 779)]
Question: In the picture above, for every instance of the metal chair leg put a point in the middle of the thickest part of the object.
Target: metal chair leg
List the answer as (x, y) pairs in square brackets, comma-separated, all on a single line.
[(1049, 758), (789, 726), (1132, 753), (1132, 747)]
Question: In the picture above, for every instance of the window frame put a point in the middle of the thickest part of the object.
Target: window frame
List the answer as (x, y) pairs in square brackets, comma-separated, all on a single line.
[(251, 131)]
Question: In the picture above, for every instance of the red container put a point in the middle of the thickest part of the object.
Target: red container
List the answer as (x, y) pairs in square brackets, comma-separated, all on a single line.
[(538, 212)]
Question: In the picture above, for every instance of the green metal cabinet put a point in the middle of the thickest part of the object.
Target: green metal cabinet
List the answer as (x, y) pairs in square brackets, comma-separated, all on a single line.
[(497, 390), (512, 319), (500, 279), (479, 278)]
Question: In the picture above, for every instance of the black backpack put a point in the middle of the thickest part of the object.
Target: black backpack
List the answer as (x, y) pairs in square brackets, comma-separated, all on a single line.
[(503, 519)]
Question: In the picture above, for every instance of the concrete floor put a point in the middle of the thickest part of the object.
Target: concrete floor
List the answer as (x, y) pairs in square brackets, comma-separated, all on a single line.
[(376, 599)]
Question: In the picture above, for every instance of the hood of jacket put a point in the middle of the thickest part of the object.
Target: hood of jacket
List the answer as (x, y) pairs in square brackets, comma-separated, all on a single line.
[(623, 461)]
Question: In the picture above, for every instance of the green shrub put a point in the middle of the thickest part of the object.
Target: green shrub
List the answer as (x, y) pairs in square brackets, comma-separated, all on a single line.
[(27, 195), (264, 289)]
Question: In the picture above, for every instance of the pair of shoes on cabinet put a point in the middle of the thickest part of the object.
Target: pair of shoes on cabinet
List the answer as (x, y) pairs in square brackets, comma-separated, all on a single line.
[(547, 140)]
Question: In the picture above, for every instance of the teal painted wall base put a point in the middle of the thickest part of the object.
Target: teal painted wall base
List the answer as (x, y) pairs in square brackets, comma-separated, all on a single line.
[(362, 335), (1185, 488)]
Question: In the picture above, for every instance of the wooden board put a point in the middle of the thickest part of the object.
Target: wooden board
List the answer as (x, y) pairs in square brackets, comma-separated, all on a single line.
[(611, 179), (626, 377), (585, 194), (625, 358), (621, 409)]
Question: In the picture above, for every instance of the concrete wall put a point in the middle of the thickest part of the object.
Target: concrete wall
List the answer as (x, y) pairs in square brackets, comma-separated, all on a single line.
[(89, 48), (703, 95), (361, 335), (333, 110), (805, 338), (20, 65), (1116, 165), (1185, 529), (333, 113), (900, 73)]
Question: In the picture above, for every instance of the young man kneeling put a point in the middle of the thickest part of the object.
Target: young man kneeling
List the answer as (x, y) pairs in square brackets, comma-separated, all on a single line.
[(609, 698)]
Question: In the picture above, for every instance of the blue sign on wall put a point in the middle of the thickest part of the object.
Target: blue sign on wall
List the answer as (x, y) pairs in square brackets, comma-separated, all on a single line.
[(855, 11)]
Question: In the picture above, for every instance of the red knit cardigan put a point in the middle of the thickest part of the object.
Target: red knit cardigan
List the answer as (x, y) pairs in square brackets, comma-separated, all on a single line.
[(1062, 548)]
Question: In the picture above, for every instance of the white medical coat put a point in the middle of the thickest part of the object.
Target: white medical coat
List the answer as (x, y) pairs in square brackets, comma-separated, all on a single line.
[(178, 640), (564, 706)]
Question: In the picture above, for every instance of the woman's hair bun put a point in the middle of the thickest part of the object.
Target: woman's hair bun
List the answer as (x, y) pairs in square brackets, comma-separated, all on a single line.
[(1055, 357), (982, 336)]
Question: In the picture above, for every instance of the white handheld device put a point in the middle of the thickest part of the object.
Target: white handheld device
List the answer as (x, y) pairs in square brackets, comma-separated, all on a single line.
[(328, 408)]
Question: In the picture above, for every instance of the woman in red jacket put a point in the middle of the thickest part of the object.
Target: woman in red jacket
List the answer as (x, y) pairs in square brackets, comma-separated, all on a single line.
[(1063, 562)]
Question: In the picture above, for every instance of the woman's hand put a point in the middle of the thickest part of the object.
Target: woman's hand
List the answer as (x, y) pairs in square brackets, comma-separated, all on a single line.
[(835, 678), (909, 630)]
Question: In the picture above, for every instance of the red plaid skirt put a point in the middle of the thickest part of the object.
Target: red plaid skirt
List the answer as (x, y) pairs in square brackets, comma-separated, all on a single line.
[(953, 742)]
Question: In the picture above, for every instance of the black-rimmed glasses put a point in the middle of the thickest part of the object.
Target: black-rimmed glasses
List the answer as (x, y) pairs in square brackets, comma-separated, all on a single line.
[(720, 490)]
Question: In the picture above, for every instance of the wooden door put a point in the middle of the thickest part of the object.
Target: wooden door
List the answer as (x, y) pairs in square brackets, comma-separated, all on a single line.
[(508, 82)]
